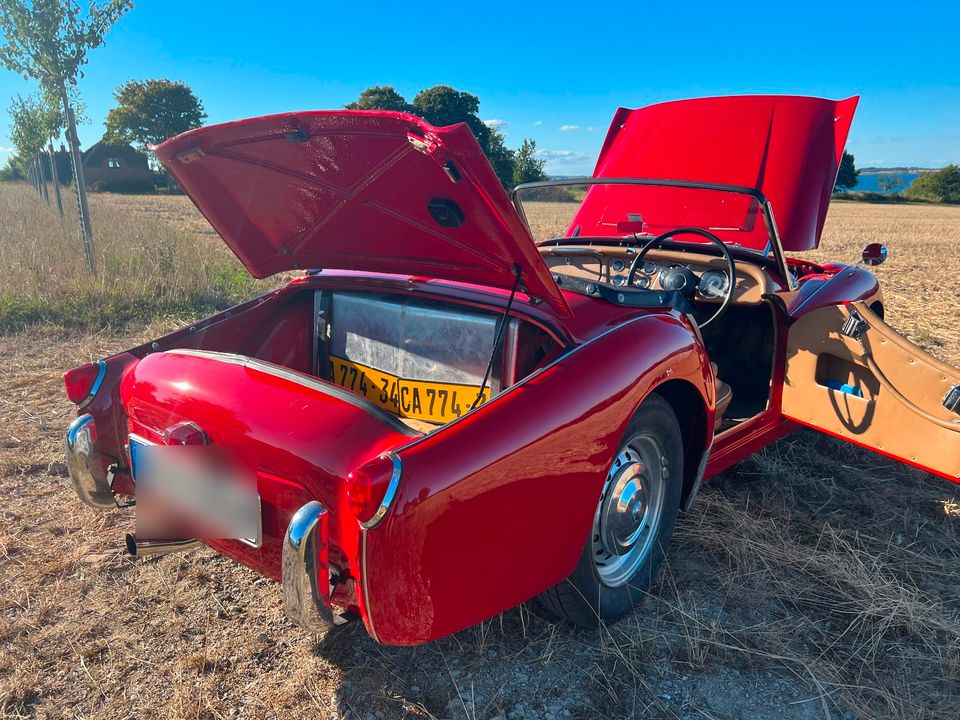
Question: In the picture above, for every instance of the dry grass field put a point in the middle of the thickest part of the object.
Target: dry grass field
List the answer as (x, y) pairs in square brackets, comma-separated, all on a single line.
[(812, 581)]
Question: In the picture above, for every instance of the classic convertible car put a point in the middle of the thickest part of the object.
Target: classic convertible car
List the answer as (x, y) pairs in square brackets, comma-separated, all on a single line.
[(442, 417)]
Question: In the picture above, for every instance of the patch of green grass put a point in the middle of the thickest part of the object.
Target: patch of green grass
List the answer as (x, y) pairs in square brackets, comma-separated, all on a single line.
[(119, 308), (148, 267)]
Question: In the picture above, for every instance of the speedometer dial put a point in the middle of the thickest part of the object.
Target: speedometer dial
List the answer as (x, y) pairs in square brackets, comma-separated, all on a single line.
[(714, 284)]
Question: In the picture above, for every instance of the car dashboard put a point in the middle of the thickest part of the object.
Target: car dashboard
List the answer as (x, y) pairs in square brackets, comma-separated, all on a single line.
[(572, 266)]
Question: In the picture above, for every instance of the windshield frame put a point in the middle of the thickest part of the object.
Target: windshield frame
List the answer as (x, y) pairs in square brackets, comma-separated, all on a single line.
[(773, 235)]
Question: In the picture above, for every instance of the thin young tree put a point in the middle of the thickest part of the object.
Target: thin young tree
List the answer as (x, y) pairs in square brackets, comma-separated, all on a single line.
[(28, 131), (48, 41)]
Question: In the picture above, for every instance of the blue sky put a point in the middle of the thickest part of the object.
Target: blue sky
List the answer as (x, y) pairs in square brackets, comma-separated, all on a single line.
[(551, 71)]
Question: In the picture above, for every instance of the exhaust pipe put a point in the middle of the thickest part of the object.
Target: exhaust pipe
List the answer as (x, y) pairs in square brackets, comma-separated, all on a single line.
[(136, 547)]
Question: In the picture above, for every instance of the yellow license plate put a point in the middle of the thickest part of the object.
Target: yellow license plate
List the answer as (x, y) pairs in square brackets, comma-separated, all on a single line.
[(435, 402)]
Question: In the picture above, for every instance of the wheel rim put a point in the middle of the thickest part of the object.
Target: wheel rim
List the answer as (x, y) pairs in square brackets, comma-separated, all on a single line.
[(630, 510)]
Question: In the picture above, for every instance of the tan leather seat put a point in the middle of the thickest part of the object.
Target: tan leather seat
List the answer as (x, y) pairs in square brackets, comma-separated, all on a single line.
[(724, 396)]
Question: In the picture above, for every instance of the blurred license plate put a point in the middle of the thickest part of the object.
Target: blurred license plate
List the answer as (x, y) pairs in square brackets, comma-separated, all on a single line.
[(436, 402), (193, 491)]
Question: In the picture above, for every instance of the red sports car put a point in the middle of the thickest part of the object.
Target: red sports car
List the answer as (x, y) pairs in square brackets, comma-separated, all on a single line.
[(444, 417)]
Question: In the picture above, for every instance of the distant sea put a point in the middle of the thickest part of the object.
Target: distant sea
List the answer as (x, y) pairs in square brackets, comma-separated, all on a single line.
[(868, 183)]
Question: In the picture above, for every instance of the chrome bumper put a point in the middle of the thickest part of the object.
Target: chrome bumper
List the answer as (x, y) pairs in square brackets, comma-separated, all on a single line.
[(305, 571), (85, 464)]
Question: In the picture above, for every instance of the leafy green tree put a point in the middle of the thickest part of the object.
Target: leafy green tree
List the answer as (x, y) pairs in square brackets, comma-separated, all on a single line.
[(48, 41), (151, 111), (940, 186), (380, 97), (10, 171), (443, 105), (848, 175), (889, 183), (528, 167), (502, 159), (30, 127)]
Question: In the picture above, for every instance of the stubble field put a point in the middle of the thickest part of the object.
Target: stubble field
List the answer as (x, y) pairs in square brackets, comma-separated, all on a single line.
[(812, 581)]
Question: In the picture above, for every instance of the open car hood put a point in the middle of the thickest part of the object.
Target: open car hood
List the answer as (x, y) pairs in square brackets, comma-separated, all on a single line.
[(353, 190), (787, 147)]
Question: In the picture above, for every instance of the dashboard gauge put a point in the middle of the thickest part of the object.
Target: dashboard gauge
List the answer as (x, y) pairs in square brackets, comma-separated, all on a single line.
[(714, 284), (618, 265), (619, 279), (642, 282), (649, 268)]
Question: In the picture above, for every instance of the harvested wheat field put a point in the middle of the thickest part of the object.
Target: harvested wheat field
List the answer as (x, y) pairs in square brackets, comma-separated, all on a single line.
[(814, 580)]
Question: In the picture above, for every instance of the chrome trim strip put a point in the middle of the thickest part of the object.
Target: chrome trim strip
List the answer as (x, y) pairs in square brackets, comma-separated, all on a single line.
[(101, 371), (389, 496), (84, 463), (303, 600), (364, 586), (300, 378)]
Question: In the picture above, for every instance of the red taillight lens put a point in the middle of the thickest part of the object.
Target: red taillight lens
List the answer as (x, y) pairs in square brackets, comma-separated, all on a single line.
[(368, 487), (187, 433), (81, 382)]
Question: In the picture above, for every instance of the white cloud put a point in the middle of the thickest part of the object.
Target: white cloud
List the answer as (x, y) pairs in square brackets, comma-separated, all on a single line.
[(591, 129), (566, 162), (495, 123), (538, 123), (569, 128), (562, 155), (5, 149)]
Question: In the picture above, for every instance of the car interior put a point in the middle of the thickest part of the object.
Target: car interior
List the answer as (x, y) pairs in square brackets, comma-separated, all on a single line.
[(740, 340)]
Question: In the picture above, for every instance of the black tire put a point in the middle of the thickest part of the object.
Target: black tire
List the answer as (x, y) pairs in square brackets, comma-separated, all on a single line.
[(587, 598)]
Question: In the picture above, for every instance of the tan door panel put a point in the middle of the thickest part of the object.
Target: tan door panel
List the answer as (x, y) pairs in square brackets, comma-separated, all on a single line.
[(879, 391)]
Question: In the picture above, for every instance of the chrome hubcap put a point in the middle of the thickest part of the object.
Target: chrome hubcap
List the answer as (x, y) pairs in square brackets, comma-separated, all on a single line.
[(629, 514)]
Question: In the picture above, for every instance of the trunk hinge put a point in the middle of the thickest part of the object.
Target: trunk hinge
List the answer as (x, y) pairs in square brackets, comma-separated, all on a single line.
[(430, 145)]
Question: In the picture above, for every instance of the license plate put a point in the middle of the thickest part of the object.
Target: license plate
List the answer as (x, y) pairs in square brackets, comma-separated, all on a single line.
[(435, 402), (191, 491)]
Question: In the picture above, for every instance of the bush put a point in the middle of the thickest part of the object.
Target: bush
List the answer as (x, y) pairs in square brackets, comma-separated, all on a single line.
[(876, 197), (940, 186), (551, 193), (129, 186)]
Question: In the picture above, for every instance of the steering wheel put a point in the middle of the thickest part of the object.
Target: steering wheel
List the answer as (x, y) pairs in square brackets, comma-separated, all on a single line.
[(681, 279)]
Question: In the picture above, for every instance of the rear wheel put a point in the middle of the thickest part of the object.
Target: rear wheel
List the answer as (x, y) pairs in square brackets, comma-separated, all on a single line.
[(632, 524)]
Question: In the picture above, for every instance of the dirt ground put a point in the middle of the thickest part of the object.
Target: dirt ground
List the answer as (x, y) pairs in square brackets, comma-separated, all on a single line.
[(813, 580)]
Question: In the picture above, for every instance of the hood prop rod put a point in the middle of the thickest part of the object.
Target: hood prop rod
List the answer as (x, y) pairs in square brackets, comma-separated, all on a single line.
[(501, 326)]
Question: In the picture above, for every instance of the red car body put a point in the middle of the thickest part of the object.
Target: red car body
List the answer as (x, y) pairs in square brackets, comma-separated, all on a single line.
[(492, 508)]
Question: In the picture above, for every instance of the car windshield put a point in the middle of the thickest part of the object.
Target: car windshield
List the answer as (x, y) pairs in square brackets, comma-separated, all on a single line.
[(617, 208)]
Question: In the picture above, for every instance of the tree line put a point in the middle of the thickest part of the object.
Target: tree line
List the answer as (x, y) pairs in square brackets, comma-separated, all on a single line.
[(48, 42), (443, 105)]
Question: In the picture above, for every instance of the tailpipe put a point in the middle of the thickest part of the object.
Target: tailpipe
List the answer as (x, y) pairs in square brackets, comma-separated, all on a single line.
[(136, 547)]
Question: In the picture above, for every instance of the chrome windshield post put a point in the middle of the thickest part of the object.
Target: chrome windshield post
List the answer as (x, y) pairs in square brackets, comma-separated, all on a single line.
[(777, 246)]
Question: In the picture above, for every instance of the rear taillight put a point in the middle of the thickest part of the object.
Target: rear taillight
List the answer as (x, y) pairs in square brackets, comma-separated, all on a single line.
[(83, 382), (371, 489), (186, 433)]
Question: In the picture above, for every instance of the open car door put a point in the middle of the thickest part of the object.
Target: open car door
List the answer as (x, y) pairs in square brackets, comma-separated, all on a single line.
[(851, 375)]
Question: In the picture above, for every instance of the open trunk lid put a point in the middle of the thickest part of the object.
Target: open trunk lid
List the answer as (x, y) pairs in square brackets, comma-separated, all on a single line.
[(353, 190)]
